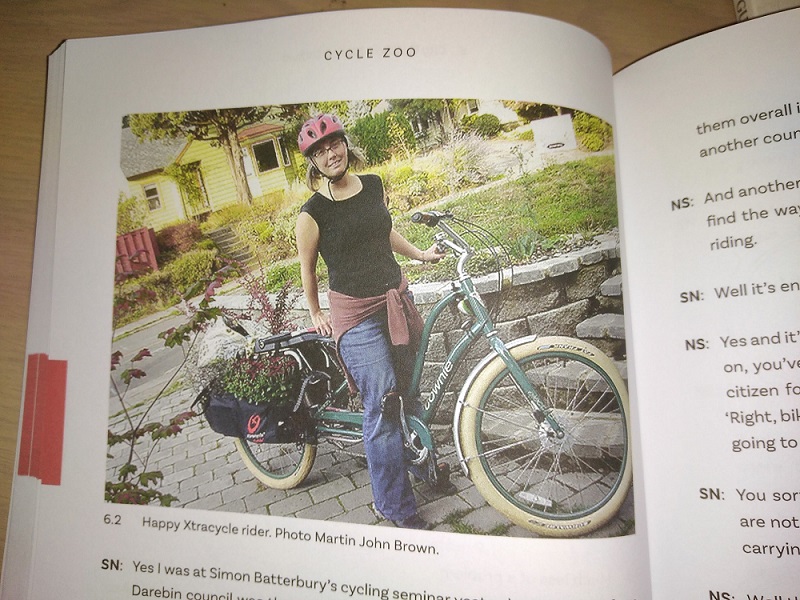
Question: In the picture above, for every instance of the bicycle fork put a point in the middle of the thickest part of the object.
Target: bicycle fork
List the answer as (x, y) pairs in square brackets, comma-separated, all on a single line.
[(503, 351)]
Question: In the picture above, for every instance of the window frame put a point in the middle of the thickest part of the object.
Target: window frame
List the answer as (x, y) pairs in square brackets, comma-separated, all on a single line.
[(276, 152), (147, 187)]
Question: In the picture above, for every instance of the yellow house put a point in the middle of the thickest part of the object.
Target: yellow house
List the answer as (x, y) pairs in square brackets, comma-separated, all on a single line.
[(207, 182)]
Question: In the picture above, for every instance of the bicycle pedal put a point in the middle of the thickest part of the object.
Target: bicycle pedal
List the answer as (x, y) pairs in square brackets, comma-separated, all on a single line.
[(443, 483)]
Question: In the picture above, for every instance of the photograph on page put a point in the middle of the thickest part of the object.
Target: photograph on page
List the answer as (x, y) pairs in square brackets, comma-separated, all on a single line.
[(386, 311)]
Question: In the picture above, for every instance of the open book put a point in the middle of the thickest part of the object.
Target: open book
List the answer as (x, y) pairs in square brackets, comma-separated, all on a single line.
[(119, 493)]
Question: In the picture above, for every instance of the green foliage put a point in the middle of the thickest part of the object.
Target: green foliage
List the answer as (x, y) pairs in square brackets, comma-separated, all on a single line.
[(542, 211), (279, 275), (158, 284), (531, 111), (409, 183), (186, 176), (522, 134), (134, 482), (383, 135), (226, 216), (288, 273), (132, 213), (592, 133), (157, 290), (190, 268), (423, 109), (210, 125), (260, 379), (485, 125), (401, 135), (205, 244)]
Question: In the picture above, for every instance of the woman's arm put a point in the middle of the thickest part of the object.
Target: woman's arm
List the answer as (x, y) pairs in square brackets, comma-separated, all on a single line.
[(402, 246), (307, 234)]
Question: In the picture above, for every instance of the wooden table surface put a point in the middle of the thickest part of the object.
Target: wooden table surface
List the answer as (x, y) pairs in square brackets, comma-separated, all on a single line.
[(31, 29)]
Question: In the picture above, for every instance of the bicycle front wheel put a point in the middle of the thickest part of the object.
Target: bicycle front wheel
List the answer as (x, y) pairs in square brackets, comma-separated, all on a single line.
[(278, 466), (562, 486)]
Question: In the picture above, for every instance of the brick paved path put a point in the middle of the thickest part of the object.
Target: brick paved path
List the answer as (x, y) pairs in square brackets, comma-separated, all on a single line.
[(203, 470)]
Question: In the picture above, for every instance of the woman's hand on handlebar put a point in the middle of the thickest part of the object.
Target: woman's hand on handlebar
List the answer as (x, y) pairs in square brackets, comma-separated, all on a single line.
[(322, 323), (434, 254)]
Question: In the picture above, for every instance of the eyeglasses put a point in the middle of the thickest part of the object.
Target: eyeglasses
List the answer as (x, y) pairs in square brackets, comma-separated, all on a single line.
[(322, 151)]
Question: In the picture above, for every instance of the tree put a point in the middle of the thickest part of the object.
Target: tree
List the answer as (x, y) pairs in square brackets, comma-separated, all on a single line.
[(430, 114), (220, 127), (131, 213)]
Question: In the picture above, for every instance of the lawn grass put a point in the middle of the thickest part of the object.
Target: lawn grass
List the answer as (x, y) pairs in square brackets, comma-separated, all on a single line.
[(541, 211)]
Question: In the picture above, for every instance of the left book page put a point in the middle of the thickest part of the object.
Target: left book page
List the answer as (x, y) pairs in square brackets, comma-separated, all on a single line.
[(210, 529)]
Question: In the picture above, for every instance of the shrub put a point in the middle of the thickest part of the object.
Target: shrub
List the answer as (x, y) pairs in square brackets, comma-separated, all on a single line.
[(205, 244), (278, 276), (382, 135), (592, 133), (190, 268), (408, 186), (159, 283), (484, 125), (180, 237), (462, 162)]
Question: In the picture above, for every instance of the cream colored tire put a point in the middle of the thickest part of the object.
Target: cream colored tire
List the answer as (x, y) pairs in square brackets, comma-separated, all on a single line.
[(278, 466), (559, 487)]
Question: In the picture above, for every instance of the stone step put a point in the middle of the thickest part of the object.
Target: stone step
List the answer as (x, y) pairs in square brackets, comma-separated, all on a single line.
[(602, 326), (230, 246), (612, 286), (606, 331)]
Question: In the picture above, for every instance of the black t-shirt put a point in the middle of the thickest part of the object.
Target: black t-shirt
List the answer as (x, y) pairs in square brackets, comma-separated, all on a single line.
[(354, 240)]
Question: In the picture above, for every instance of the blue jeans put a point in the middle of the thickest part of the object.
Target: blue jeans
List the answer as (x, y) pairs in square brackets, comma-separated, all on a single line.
[(367, 353)]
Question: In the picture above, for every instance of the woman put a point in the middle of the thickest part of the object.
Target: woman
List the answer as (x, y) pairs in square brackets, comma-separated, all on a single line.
[(372, 317)]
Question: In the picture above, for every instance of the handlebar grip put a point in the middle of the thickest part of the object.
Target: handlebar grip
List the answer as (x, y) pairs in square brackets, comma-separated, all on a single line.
[(429, 218)]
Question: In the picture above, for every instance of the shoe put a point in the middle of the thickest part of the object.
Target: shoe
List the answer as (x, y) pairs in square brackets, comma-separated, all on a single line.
[(413, 522)]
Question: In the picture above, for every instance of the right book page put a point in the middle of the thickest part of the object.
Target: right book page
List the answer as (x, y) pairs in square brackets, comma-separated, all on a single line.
[(709, 145)]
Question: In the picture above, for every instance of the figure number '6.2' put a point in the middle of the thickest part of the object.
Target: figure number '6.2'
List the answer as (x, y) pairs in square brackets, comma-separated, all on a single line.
[(112, 519)]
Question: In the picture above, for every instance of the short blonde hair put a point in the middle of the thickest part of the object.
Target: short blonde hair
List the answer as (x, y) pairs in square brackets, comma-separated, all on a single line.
[(355, 161)]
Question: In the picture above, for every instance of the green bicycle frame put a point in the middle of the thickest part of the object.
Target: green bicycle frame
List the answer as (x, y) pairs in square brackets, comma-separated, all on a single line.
[(331, 421)]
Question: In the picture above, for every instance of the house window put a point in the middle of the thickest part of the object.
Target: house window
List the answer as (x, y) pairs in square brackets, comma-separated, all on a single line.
[(266, 156), (152, 197), (472, 107)]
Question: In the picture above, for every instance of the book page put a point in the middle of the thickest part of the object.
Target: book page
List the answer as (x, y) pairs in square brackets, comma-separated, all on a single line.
[(221, 532), (709, 140)]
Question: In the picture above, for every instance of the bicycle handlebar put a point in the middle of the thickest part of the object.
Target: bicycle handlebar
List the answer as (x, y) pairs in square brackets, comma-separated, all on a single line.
[(430, 218)]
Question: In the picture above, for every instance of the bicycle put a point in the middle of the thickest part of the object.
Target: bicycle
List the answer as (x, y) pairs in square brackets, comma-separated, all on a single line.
[(541, 424)]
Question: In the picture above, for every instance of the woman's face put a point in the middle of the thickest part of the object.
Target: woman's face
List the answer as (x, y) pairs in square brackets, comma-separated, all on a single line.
[(331, 157)]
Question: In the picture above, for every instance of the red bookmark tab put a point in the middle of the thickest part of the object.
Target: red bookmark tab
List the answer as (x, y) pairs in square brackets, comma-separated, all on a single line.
[(42, 436)]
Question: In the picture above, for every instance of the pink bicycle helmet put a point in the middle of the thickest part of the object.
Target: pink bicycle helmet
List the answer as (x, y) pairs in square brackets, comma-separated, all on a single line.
[(316, 129)]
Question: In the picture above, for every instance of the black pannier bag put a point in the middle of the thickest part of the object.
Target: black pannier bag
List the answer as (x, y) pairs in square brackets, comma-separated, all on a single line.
[(231, 416), (289, 420)]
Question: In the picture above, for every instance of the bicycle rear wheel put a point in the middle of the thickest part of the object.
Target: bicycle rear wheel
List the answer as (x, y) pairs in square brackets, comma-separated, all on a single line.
[(279, 466), (561, 487)]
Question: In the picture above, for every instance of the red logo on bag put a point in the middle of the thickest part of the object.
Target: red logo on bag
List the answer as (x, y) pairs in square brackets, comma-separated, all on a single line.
[(252, 423)]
